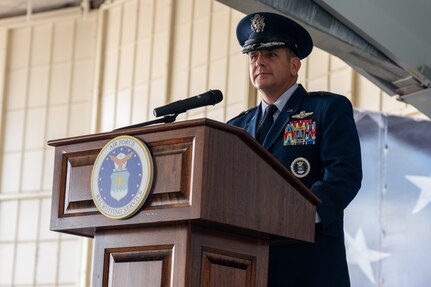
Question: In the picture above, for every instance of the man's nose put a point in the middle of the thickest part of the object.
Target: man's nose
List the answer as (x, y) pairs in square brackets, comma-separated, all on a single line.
[(260, 59)]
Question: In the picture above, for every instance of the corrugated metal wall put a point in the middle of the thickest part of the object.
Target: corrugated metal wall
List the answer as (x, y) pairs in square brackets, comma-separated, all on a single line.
[(153, 52)]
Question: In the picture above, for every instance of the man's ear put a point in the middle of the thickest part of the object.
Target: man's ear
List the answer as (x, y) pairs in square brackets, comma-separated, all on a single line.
[(295, 65)]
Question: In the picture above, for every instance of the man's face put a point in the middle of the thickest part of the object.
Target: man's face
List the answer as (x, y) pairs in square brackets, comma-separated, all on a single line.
[(273, 71)]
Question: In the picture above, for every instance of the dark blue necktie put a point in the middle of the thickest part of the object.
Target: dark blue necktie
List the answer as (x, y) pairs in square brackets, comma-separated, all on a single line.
[(268, 120)]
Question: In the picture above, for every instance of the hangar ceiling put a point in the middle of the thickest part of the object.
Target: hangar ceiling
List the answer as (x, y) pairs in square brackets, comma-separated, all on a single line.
[(12, 8)]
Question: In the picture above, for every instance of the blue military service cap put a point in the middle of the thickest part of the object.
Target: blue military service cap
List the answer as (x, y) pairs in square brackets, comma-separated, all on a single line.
[(264, 30)]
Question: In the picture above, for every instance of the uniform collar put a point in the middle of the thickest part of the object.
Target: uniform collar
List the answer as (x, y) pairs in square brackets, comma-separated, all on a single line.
[(281, 101), (293, 98), (291, 106)]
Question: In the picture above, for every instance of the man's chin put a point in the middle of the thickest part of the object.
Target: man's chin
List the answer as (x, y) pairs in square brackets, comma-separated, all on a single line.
[(261, 84)]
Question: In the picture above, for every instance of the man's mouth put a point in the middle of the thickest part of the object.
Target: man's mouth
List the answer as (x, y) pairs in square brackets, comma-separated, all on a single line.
[(261, 74)]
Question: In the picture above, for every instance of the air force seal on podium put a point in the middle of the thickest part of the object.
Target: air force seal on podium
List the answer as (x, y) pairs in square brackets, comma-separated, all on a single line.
[(122, 177)]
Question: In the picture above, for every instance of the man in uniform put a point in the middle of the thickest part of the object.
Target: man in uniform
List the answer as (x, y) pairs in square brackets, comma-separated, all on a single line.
[(313, 135)]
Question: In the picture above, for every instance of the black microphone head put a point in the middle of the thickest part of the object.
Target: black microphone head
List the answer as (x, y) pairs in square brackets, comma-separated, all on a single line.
[(216, 96), (211, 97)]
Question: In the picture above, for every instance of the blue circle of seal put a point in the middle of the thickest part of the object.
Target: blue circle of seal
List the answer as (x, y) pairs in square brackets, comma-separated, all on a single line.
[(300, 167), (121, 177)]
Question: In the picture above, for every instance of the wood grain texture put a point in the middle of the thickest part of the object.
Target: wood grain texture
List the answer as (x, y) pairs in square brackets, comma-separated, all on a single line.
[(217, 202), (151, 256), (204, 170), (178, 255)]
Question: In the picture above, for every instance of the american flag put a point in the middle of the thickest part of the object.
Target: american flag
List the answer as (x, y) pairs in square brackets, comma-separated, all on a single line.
[(388, 225)]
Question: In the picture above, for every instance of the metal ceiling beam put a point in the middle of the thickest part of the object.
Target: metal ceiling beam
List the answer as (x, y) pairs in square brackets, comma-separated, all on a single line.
[(9, 8), (365, 56)]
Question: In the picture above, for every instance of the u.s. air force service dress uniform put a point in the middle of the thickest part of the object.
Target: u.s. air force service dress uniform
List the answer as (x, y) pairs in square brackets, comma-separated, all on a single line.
[(315, 137)]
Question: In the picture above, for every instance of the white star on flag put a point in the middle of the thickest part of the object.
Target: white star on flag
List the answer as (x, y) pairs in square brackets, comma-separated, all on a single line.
[(424, 184), (358, 253)]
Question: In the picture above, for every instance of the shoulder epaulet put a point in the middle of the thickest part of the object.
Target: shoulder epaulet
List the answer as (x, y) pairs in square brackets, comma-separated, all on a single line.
[(244, 113), (247, 111), (321, 93)]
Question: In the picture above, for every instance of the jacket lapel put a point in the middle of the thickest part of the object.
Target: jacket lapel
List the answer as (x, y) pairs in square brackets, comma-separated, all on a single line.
[(251, 126), (291, 107)]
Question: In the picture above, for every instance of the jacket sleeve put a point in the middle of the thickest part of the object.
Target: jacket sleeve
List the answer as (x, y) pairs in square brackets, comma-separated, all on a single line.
[(340, 157)]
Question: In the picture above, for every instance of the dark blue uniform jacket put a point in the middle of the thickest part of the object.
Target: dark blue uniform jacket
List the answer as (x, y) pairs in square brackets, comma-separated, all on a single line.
[(318, 127)]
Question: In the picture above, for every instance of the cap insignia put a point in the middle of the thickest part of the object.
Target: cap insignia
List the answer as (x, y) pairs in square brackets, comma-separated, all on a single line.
[(257, 23)]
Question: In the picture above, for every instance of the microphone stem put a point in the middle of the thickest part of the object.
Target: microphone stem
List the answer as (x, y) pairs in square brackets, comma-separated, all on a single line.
[(165, 119)]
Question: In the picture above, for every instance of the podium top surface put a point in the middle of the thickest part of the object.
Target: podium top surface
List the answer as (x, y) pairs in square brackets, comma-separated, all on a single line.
[(243, 135)]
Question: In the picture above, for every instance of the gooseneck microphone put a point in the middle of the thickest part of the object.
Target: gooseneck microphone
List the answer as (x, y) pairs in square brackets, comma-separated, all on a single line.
[(170, 111), (211, 97)]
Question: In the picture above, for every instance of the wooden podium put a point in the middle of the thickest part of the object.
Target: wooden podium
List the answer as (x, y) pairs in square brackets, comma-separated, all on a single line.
[(217, 202)]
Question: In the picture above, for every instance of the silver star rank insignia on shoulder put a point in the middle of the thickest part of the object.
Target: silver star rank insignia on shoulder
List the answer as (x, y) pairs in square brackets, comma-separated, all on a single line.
[(302, 114)]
